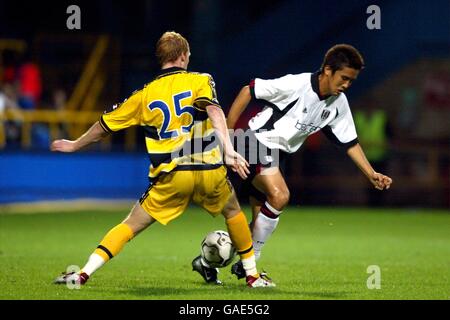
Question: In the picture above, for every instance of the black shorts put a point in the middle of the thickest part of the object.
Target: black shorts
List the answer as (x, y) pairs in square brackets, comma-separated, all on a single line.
[(259, 157)]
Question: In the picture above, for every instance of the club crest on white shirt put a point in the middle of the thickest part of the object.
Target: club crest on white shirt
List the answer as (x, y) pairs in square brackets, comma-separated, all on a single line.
[(325, 114)]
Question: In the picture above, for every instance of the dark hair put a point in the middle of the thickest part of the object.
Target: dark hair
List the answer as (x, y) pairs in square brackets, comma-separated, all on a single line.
[(341, 56)]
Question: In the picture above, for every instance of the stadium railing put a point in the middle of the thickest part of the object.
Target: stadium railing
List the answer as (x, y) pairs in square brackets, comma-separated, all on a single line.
[(72, 121)]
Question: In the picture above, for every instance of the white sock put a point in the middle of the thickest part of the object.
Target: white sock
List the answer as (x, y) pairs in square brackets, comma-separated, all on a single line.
[(263, 227), (249, 265), (94, 262)]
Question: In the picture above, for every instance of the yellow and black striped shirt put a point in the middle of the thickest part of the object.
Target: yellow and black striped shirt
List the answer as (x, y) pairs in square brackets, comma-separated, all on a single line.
[(172, 111)]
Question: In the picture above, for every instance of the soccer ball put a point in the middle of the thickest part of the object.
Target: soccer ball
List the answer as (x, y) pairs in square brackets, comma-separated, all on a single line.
[(217, 249)]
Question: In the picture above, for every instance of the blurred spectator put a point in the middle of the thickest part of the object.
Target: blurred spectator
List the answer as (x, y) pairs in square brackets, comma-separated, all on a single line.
[(374, 133), (10, 130), (29, 82), (29, 90)]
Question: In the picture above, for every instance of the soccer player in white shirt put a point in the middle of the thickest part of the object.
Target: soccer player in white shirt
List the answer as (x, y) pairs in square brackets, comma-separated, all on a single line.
[(297, 105)]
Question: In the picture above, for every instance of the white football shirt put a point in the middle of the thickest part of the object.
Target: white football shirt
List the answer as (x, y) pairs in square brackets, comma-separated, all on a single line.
[(294, 110)]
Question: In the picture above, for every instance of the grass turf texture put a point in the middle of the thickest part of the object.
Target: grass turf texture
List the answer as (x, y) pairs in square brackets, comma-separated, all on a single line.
[(314, 254)]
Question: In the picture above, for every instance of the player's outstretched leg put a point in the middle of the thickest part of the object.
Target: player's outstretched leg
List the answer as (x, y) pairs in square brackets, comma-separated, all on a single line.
[(110, 246)]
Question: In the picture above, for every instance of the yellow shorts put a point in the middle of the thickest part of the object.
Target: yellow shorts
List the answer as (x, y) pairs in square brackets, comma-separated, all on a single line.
[(168, 197)]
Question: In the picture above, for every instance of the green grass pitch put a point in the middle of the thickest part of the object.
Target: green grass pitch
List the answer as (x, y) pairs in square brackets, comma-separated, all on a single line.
[(314, 254)]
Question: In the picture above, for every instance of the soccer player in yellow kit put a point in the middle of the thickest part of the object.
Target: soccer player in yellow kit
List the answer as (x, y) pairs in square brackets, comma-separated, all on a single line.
[(180, 115)]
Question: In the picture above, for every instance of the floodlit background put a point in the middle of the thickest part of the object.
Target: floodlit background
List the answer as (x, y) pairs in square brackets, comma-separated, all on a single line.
[(56, 82)]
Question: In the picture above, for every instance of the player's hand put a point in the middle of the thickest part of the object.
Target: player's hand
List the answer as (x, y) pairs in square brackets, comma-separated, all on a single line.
[(63, 146), (238, 164), (380, 181)]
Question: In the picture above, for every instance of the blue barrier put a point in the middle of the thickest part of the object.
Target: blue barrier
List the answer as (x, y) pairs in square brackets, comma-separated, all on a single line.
[(26, 176)]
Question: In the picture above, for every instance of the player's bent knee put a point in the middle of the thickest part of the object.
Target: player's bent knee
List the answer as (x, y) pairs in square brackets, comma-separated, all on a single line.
[(279, 199), (232, 207), (230, 212)]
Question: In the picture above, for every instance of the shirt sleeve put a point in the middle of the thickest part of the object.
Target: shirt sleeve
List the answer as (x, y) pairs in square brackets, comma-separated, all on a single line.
[(206, 93), (280, 92), (341, 130), (123, 115)]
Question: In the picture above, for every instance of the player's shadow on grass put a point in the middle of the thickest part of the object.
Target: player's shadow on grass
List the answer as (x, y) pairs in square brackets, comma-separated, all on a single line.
[(169, 291), (223, 291)]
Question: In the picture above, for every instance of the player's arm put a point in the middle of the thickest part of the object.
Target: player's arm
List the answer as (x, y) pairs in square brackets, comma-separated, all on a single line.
[(94, 134), (379, 180), (118, 117), (238, 106), (233, 159)]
